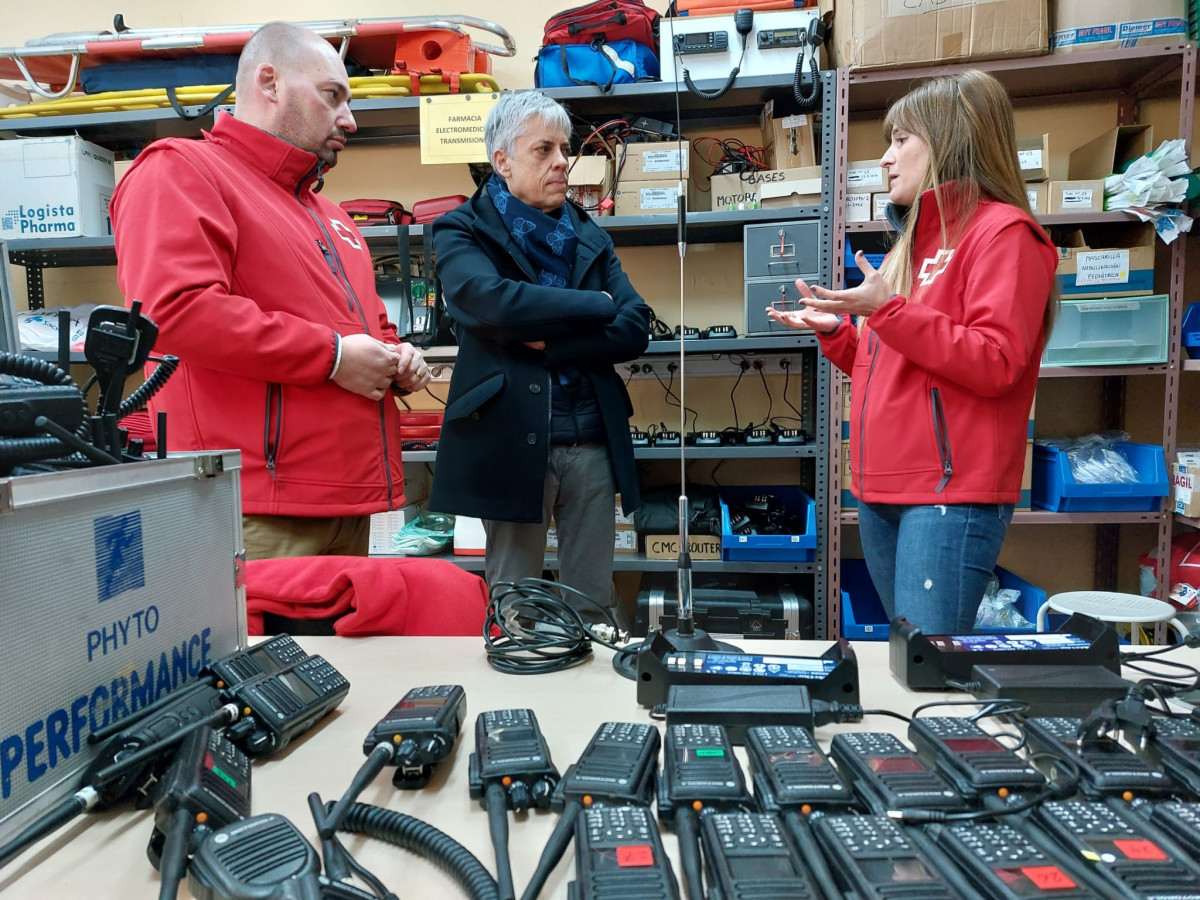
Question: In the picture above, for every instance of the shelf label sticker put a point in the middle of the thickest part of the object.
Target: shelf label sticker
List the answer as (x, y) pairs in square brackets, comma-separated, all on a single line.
[(663, 160), (1088, 306), (452, 128), (920, 7), (865, 177), (793, 121), (1076, 199), (1029, 159), (1101, 266), (658, 198)]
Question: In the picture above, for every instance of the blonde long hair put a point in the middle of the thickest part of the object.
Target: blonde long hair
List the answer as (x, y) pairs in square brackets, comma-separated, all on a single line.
[(966, 120)]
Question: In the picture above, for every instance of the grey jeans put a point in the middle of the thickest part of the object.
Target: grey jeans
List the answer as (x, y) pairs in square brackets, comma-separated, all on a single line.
[(578, 497)]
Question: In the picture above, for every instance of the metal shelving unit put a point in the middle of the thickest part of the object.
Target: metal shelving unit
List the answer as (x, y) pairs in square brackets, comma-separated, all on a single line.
[(1132, 75)]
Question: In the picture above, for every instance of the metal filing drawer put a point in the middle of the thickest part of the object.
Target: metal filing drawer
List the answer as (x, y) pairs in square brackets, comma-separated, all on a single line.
[(780, 294), (782, 249), (118, 583)]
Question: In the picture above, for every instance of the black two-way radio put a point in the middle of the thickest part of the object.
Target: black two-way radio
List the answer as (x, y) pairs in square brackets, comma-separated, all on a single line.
[(750, 854), (619, 855), (420, 730), (206, 787), (789, 771), (283, 705), (510, 769), (887, 775), (1175, 746), (1106, 768), (266, 658), (616, 768), (970, 758)]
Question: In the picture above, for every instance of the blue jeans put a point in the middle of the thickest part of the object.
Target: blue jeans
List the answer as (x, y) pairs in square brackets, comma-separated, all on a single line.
[(932, 564)]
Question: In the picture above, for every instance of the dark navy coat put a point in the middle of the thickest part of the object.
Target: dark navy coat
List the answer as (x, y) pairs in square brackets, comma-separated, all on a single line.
[(494, 446)]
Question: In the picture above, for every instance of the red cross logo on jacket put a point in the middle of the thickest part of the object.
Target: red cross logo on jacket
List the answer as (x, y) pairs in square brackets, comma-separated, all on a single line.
[(932, 268)]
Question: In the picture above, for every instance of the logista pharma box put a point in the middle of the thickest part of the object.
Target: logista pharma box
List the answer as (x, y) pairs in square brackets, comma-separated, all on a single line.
[(54, 187)]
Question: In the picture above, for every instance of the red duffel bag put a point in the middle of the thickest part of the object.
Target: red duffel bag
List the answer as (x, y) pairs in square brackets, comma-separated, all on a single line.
[(609, 20)]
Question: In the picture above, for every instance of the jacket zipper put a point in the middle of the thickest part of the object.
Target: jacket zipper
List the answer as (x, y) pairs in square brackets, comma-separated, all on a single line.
[(271, 436), (872, 349), (334, 261), (942, 432)]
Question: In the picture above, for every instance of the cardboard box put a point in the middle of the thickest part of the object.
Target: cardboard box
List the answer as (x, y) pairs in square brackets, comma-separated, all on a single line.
[(655, 161), (386, 525), (879, 204), (624, 540), (1026, 501), (873, 33), (1186, 481), (865, 177), (788, 141), (801, 188), (589, 182), (666, 546), (641, 198), (621, 518), (1102, 157), (55, 187), (1117, 262), (1039, 197), (1115, 24), (1076, 196), (744, 190), (858, 207), (1033, 156)]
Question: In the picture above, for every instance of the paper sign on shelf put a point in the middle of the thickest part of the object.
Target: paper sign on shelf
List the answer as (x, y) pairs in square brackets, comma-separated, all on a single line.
[(452, 127), (1102, 267)]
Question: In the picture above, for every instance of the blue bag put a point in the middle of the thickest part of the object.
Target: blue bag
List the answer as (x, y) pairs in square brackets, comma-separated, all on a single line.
[(597, 64)]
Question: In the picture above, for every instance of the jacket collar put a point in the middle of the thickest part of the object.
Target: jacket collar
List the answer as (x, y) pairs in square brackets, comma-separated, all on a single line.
[(285, 164), (591, 237)]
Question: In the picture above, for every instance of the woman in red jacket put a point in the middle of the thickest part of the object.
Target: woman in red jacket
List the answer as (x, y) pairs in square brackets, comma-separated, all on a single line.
[(943, 359)]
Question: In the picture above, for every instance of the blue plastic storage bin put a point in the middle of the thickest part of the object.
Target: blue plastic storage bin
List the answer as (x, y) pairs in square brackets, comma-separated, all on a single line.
[(863, 618), (853, 275), (1054, 487), (1191, 330), (769, 547)]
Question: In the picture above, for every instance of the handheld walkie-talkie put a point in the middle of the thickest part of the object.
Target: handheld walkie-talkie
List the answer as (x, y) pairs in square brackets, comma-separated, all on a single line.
[(1126, 849), (267, 658), (751, 855), (1181, 820), (1005, 864), (789, 771), (699, 771), (876, 858), (617, 767), (206, 787), (970, 758), (511, 752), (1176, 747), (887, 775), (1105, 767), (284, 705), (510, 769), (619, 855), (422, 729)]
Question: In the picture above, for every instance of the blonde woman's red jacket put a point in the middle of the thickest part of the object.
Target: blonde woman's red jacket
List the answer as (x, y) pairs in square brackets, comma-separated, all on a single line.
[(942, 381), (250, 277)]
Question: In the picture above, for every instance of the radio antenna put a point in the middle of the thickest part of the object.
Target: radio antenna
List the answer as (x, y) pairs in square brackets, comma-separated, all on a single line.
[(685, 635)]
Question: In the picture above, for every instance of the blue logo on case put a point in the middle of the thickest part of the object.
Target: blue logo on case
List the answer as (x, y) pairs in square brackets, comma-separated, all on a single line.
[(120, 565)]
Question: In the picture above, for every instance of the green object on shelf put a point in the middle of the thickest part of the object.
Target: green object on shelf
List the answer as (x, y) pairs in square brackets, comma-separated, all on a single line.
[(427, 534)]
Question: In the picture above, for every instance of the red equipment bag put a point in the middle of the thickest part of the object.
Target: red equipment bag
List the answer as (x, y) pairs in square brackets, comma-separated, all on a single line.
[(376, 212), (425, 211), (607, 20)]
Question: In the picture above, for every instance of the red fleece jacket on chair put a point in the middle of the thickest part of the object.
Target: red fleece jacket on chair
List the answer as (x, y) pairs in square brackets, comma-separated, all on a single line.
[(372, 596)]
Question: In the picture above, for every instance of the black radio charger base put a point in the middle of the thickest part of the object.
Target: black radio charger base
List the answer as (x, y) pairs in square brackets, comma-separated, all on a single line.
[(929, 661)]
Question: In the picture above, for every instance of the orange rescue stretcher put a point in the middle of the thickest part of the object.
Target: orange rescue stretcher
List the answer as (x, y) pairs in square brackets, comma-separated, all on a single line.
[(416, 46)]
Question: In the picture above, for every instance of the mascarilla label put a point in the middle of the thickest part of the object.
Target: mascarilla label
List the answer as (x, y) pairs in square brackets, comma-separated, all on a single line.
[(1102, 267), (34, 220)]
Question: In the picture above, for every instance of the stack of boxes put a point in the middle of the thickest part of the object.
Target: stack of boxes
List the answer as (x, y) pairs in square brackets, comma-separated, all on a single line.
[(792, 178), (625, 540), (649, 178), (866, 191)]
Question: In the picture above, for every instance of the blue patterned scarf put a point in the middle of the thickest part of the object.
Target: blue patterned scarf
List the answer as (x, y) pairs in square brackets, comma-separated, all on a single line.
[(548, 241)]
